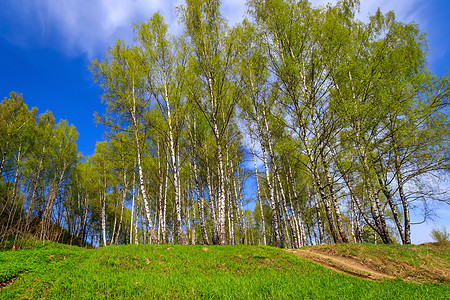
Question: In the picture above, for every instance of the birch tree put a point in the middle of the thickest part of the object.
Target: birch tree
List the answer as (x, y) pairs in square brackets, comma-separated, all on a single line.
[(122, 78), (213, 58), (165, 63)]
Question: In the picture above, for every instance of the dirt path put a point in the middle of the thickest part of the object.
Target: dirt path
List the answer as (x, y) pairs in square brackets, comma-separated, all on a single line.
[(340, 264)]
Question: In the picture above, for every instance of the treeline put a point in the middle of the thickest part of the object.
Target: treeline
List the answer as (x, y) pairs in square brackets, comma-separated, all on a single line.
[(37, 159), (338, 123)]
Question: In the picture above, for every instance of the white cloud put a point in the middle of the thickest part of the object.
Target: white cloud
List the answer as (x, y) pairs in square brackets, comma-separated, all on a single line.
[(89, 26)]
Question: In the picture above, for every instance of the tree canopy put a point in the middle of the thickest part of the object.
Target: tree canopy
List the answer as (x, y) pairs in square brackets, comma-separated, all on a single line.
[(338, 124)]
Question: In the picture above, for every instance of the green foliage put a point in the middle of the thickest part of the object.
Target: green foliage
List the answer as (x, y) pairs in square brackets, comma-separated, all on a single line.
[(192, 272), (37, 157), (345, 113), (440, 235)]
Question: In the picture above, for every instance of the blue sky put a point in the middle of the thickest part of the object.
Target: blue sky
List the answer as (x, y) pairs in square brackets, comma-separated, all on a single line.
[(46, 47)]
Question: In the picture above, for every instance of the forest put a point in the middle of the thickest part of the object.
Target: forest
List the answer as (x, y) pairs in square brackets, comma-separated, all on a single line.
[(337, 125)]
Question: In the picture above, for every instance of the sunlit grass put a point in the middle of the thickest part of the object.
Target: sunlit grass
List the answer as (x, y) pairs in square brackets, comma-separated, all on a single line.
[(168, 271)]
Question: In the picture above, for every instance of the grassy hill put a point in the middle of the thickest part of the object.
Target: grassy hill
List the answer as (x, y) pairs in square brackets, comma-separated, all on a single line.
[(57, 271), (423, 263)]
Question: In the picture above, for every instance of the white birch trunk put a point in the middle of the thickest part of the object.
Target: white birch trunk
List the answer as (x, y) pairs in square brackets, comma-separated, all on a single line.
[(238, 203), (221, 197), (141, 174), (103, 216), (175, 166), (132, 206), (201, 210), (124, 195), (215, 233), (263, 222), (228, 179), (273, 207)]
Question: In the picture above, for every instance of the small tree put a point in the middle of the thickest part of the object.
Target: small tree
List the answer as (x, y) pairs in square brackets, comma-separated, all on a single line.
[(440, 236)]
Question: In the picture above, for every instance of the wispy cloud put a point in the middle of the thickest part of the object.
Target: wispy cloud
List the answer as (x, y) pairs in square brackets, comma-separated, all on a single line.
[(79, 25), (89, 26)]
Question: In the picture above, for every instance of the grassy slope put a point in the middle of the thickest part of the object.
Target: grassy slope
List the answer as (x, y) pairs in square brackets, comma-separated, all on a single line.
[(64, 272), (426, 262)]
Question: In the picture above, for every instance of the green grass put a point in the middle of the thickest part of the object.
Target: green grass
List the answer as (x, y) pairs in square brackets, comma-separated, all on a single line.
[(167, 271)]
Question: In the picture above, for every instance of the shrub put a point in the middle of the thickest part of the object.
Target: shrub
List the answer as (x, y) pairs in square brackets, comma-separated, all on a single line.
[(441, 235)]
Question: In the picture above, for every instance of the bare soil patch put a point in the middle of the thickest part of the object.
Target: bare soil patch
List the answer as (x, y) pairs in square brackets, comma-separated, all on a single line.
[(5, 283), (422, 263), (340, 264)]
